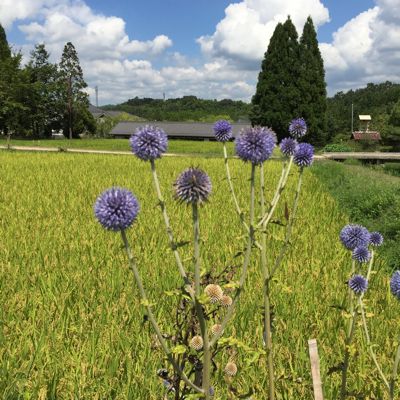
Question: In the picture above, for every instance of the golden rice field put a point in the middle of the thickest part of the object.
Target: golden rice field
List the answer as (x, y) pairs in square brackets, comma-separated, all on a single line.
[(71, 324)]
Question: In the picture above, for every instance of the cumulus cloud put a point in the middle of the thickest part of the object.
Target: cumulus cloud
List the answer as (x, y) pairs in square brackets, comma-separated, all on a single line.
[(243, 34), (365, 49)]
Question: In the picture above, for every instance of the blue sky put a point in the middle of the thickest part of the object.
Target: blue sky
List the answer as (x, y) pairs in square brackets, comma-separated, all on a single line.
[(207, 48)]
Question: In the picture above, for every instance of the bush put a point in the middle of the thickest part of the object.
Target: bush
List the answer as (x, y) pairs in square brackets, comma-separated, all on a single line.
[(337, 148)]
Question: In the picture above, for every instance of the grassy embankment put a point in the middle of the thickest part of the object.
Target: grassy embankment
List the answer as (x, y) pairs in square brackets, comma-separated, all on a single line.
[(71, 323)]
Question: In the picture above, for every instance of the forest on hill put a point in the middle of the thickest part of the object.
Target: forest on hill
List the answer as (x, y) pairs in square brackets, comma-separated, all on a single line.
[(186, 108)]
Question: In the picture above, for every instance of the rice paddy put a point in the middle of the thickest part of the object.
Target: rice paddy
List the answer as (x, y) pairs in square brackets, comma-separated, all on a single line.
[(71, 324)]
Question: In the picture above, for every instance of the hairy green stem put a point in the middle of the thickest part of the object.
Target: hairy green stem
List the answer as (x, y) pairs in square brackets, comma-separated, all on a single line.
[(146, 304), (199, 309), (266, 217), (235, 200), (245, 265), (289, 227), (394, 371), (170, 234), (369, 344), (267, 304), (349, 338)]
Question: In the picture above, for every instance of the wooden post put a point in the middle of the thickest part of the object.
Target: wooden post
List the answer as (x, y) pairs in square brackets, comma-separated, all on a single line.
[(316, 376)]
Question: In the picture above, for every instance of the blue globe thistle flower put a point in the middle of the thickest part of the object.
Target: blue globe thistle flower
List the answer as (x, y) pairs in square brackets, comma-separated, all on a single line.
[(358, 284), (255, 144), (149, 142), (304, 155), (116, 209), (361, 254), (395, 284), (353, 236), (222, 130), (297, 128), (288, 146), (193, 186), (376, 239)]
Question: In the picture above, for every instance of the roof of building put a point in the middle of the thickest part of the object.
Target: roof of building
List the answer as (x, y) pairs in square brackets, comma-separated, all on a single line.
[(201, 130), (370, 135)]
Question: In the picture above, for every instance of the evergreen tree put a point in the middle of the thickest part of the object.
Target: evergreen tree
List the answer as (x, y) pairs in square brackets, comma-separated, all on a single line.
[(74, 101), (312, 85), (12, 90), (277, 98), (42, 94)]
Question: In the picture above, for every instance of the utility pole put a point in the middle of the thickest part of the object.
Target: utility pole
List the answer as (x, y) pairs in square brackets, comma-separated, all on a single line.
[(70, 105), (97, 95), (352, 119)]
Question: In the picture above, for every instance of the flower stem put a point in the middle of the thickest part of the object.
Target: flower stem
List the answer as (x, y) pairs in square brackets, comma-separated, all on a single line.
[(279, 189), (267, 305), (199, 309), (245, 265), (170, 234), (289, 226), (235, 200), (369, 344), (349, 338), (151, 317), (394, 372)]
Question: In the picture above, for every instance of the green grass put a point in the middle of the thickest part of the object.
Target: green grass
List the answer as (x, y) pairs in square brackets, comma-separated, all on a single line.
[(71, 323), (370, 197), (203, 148)]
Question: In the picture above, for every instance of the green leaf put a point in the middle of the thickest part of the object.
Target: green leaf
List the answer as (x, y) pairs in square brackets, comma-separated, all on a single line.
[(179, 349)]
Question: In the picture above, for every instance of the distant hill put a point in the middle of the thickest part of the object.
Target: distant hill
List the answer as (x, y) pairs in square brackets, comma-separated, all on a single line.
[(376, 100), (187, 108)]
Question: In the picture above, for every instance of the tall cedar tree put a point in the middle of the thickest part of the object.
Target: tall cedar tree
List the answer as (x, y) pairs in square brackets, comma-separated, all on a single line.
[(13, 111), (42, 94), (74, 101), (312, 85), (277, 98)]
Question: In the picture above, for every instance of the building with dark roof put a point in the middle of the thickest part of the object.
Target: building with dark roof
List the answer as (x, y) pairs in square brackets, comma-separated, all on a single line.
[(177, 130)]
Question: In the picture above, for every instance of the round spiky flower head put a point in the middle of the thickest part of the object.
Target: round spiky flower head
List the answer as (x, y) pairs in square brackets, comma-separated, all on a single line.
[(255, 144), (116, 209), (361, 254), (230, 369), (353, 236), (358, 284), (376, 239), (214, 292), (297, 128), (193, 186), (196, 343), (226, 300), (222, 130), (149, 142), (288, 146), (395, 284), (304, 155), (216, 329)]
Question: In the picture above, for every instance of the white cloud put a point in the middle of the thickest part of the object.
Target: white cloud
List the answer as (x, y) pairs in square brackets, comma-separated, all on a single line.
[(365, 49), (243, 34)]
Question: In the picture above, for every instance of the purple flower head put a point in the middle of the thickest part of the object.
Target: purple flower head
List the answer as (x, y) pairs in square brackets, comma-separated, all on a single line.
[(149, 142), (255, 144), (298, 128), (361, 254), (288, 146), (116, 209), (358, 284), (304, 155), (376, 239), (395, 284), (222, 130), (353, 236), (193, 186)]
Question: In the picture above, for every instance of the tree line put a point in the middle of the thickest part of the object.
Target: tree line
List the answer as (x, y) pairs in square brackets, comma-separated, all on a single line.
[(42, 97), (187, 108)]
